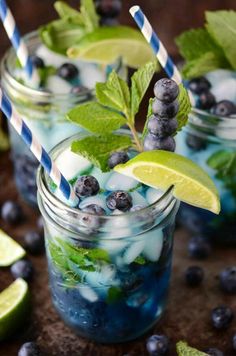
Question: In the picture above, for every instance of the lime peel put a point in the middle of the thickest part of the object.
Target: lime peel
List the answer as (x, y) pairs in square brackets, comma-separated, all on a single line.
[(162, 169), (10, 250)]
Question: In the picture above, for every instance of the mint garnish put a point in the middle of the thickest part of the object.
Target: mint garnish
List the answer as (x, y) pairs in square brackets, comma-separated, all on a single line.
[(184, 107), (4, 142), (184, 350), (45, 72), (61, 34), (97, 149), (209, 48)]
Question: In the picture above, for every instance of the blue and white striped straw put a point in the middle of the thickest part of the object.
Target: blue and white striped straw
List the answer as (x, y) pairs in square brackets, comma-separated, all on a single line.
[(17, 42), (38, 151), (157, 46)]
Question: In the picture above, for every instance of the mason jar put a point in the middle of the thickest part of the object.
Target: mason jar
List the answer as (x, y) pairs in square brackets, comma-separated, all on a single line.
[(110, 282), (43, 112), (210, 141)]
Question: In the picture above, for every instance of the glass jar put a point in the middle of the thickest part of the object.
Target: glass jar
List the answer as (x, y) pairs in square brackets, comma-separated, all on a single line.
[(44, 113), (109, 275), (210, 141)]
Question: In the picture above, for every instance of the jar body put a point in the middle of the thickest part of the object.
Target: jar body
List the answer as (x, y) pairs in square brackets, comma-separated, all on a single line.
[(109, 276), (44, 113), (212, 148)]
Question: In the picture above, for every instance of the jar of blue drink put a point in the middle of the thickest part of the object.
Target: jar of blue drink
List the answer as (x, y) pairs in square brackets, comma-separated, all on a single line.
[(109, 273), (209, 140), (44, 109)]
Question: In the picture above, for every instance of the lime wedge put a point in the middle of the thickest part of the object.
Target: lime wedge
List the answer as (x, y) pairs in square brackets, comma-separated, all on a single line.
[(14, 302), (10, 250), (107, 44), (162, 169)]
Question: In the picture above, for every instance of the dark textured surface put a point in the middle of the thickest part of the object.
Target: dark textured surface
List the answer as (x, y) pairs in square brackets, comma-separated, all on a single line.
[(188, 312)]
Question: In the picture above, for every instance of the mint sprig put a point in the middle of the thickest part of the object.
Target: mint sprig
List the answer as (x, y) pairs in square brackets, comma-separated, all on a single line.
[(209, 48), (184, 350)]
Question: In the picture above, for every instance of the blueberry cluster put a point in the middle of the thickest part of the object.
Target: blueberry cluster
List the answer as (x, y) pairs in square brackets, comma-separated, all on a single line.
[(206, 100), (109, 10), (163, 123)]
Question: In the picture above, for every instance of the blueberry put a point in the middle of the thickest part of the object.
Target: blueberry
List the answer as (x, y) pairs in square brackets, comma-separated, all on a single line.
[(224, 108), (108, 8), (68, 71), (78, 89), (34, 242), (194, 276), (29, 349), (166, 90), (228, 280), (167, 110), (199, 247), (86, 186), (120, 200), (234, 342), (196, 143), (162, 127), (152, 142), (189, 218), (117, 158), (22, 269), (212, 351), (37, 62), (157, 345), (11, 212), (93, 221), (109, 21), (199, 85), (206, 101), (221, 317)]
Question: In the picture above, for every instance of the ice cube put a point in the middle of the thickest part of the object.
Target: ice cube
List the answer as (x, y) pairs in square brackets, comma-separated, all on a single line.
[(98, 199), (133, 251), (153, 245), (225, 90), (57, 85), (138, 199), (90, 74), (88, 293), (119, 181), (71, 164), (113, 247), (219, 75), (152, 195), (100, 176), (51, 58)]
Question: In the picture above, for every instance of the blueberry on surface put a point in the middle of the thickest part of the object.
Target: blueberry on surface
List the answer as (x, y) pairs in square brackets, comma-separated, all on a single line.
[(206, 101), (167, 110), (117, 158), (68, 71), (108, 8), (37, 61), (120, 200), (221, 317), (212, 351), (34, 242), (22, 269), (199, 247), (166, 90), (29, 349), (196, 143), (158, 345), (11, 212), (86, 186), (194, 276), (224, 108), (199, 85), (228, 280), (152, 142), (162, 127)]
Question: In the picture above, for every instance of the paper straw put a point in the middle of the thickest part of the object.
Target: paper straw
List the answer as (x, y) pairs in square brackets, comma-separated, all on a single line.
[(38, 151), (17, 42)]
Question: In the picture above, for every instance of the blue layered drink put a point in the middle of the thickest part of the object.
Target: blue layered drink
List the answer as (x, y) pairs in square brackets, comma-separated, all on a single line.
[(109, 264)]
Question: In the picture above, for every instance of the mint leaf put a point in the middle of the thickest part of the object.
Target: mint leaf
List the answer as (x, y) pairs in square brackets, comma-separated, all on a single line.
[(222, 27), (114, 294), (184, 350), (201, 52), (96, 118), (140, 260), (45, 72), (224, 162), (140, 82), (114, 93), (66, 12), (97, 149), (184, 107), (149, 114), (89, 15)]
